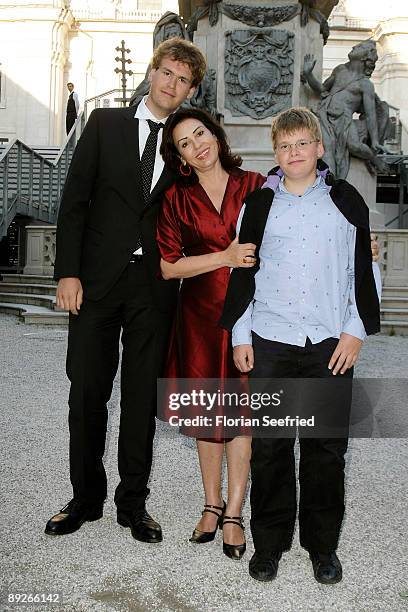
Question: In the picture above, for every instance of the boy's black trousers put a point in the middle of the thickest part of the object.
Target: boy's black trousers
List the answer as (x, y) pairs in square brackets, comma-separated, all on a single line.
[(321, 468)]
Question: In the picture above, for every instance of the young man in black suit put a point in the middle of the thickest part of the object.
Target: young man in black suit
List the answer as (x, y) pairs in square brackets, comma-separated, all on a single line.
[(107, 267)]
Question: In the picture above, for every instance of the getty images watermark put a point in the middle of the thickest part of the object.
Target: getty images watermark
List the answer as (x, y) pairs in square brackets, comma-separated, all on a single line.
[(333, 407), (211, 401)]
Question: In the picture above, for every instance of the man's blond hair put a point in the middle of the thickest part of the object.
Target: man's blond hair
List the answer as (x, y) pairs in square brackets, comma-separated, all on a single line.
[(294, 119), (182, 51)]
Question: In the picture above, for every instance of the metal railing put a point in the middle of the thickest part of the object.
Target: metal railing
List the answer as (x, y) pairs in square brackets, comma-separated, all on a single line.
[(30, 184), (400, 163), (108, 99)]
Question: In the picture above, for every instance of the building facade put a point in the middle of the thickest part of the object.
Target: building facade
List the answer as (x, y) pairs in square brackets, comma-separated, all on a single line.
[(43, 46)]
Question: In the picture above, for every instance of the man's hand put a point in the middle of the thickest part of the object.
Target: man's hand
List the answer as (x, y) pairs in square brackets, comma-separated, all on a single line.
[(244, 357), (69, 294), (345, 354)]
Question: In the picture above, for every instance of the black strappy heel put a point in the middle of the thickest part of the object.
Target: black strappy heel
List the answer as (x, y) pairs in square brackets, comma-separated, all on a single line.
[(201, 537), (234, 551)]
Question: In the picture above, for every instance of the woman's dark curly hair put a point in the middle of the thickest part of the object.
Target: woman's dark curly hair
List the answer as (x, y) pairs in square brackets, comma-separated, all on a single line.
[(172, 157)]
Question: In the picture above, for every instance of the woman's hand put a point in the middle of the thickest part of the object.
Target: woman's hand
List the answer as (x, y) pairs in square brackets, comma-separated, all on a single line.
[(240, 255), (375, 250)]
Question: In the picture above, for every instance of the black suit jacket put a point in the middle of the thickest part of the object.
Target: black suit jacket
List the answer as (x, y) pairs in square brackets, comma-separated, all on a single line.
[(103, 213)]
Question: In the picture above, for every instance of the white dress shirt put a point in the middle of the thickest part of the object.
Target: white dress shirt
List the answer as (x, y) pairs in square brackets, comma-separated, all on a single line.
[(76, 101), (143, 114)]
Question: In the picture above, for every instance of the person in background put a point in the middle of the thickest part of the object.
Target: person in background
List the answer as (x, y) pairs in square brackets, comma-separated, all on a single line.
[(72, 108)]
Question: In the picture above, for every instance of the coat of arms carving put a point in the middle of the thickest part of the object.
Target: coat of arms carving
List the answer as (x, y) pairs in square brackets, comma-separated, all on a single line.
[(258, 71)]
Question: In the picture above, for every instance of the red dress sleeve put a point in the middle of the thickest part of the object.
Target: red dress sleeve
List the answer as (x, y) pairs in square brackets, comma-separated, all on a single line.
[(168, 233)]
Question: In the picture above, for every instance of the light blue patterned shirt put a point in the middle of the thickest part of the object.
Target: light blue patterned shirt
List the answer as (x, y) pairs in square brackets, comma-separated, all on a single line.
[(305, 284)]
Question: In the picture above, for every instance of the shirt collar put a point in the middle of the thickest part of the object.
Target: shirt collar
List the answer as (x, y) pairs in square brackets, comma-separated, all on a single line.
[(319, 182), (142, 112)]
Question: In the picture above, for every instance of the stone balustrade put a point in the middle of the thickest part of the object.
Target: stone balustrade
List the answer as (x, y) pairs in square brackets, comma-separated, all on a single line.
[(40, 253), (393, 257), (40, 249)]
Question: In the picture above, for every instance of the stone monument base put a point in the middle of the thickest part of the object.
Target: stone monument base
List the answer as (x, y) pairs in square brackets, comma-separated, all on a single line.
[(366, 184)]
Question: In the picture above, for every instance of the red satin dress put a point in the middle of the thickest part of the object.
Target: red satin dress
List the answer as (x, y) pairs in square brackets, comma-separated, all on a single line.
[(189, 224)]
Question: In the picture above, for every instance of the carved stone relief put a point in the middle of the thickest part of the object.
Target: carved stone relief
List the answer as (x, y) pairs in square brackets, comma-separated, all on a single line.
[(260, 16), (258, 72), (49, 247)]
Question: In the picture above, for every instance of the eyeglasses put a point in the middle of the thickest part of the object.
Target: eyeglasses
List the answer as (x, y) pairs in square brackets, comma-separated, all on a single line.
[(300, 145), (168, 75)]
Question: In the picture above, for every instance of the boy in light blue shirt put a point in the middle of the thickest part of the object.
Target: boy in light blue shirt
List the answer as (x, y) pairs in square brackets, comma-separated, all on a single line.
[(303, 311)]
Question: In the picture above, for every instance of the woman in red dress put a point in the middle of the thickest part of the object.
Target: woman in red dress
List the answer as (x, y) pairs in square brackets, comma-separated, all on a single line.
[(196, 237)]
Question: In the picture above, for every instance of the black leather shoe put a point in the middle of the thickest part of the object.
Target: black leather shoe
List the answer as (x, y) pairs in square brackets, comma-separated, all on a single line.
[(72, 516), (326, 567), (264, 566), (143, 527)]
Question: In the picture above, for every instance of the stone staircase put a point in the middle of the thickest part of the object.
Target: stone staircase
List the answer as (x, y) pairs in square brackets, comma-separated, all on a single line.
[(394, 311), (31, 298)]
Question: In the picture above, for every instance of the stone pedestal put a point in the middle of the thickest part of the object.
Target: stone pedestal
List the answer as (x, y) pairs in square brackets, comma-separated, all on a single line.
[(366, 184), (40, 249), (257, 51)]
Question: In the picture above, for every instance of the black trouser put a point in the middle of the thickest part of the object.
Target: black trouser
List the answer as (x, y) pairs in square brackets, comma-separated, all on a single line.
[(321, 469), (69, 121), (92, 362)]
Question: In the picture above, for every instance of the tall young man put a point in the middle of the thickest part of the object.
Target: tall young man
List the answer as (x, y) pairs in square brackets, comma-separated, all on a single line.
[(107, 264)]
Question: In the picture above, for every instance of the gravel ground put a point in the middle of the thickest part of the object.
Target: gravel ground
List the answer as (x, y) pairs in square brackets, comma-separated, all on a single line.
[(102, 568)]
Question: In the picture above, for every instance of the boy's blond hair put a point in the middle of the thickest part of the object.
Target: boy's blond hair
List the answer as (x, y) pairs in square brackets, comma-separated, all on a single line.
[(293, 119), (182, 51)]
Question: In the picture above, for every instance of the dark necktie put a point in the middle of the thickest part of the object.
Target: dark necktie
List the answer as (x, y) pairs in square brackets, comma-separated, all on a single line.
[(148, 157)]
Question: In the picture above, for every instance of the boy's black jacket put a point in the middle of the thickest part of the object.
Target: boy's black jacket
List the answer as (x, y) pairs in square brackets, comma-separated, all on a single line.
[(241, 288)]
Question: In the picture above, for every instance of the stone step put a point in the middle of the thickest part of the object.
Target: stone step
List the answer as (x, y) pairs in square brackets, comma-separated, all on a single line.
[(35, 314), (395, 292), (393, 327), (26, 288), (393, 302), (47, 301), (33, 279), (394, 314)]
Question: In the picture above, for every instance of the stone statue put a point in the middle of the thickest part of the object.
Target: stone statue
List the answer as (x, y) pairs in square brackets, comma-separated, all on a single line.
[(348, 90), (324, 6), (205, 96), (169, 25)]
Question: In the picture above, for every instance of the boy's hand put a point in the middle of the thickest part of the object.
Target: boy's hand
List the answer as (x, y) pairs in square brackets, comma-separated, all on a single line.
[(244, 357), (345, 354)]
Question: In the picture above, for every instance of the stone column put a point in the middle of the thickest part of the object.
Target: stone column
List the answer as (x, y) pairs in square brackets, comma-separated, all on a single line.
[(257, 53), (40, 249)]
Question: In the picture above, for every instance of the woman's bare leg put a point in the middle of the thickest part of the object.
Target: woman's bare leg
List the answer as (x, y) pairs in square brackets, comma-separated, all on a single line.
[(210, 455), (238, 457)]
